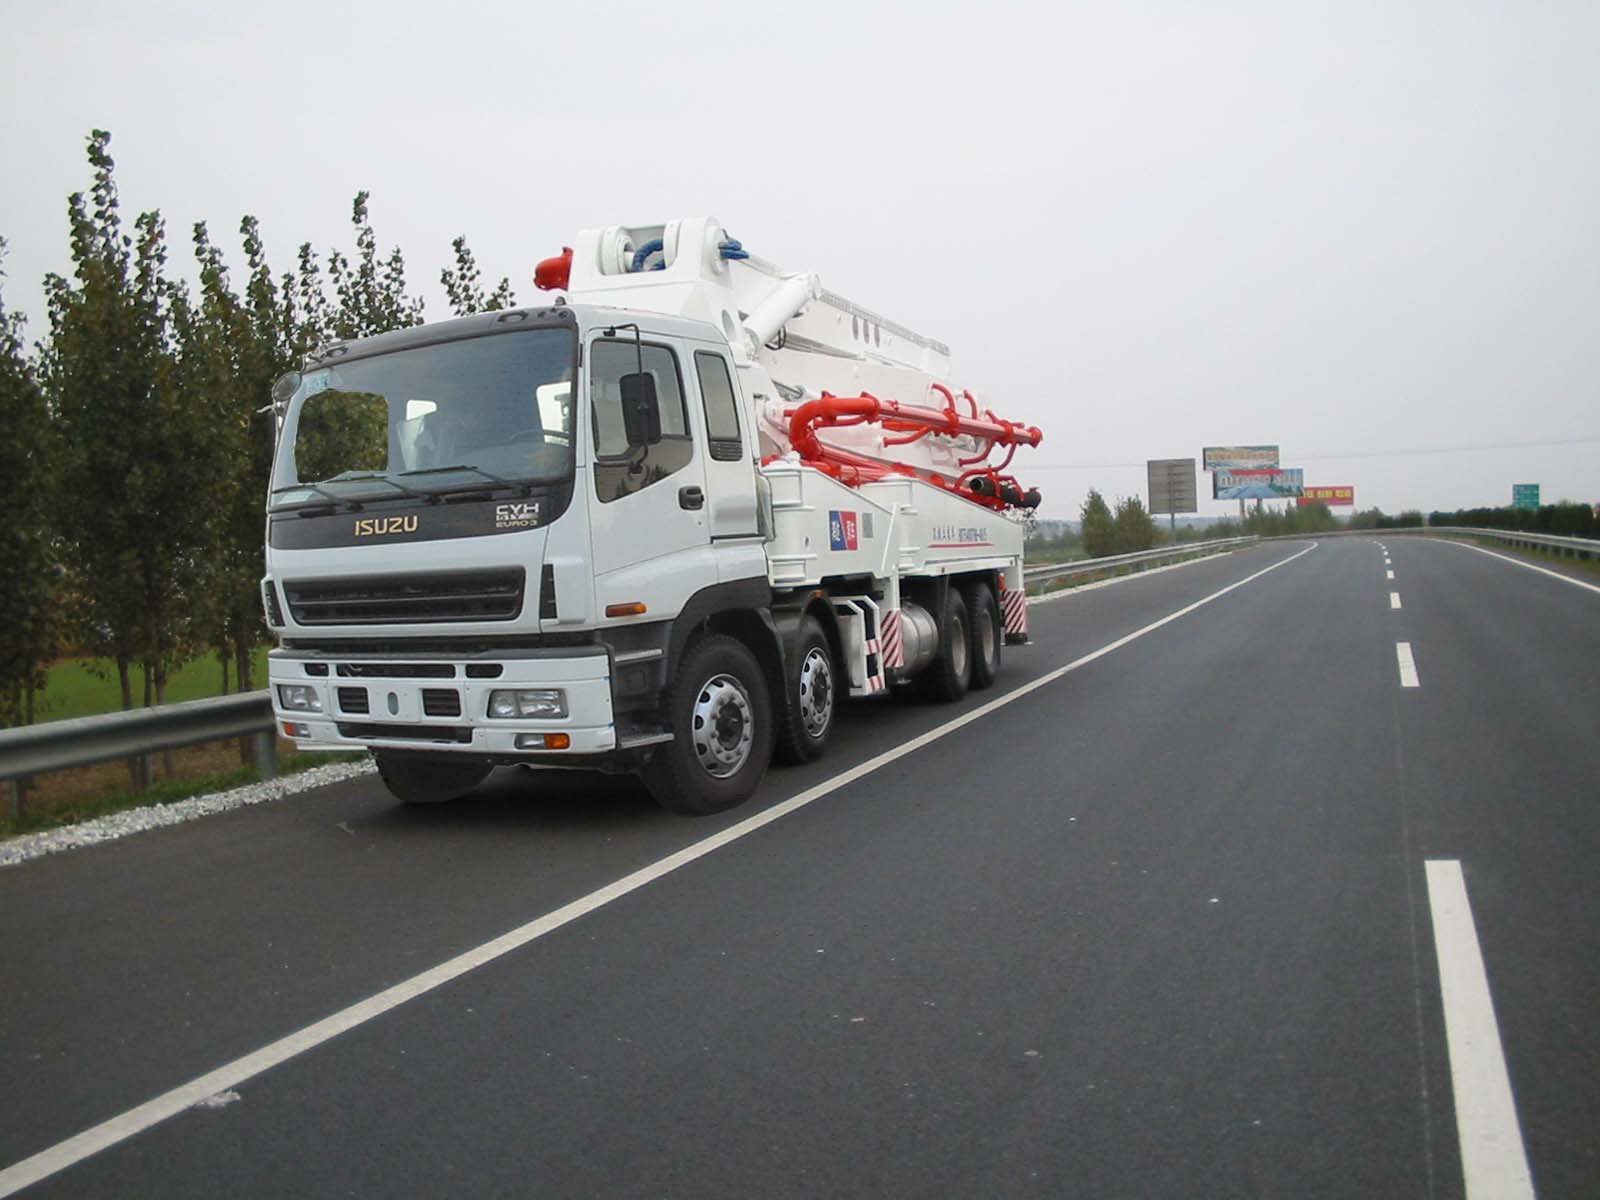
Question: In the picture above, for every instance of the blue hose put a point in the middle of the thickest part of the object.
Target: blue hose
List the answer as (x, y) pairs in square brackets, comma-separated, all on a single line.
[(645, 251)]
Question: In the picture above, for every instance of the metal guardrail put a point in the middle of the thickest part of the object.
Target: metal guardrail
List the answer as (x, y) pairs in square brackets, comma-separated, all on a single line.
[(1047, 572), (84, 741), (1574, 547)]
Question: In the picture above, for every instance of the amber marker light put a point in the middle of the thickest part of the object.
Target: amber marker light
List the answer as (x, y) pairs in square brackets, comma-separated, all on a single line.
[(633, 609)]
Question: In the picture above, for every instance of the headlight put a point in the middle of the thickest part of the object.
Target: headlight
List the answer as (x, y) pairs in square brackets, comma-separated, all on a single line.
[(297, 697), (528, 702)]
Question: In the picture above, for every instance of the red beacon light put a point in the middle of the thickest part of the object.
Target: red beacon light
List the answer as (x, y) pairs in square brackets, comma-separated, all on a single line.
[(554, 274)]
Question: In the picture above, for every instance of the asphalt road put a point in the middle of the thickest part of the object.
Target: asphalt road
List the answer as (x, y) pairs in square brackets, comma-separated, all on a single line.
[(1158, 927)]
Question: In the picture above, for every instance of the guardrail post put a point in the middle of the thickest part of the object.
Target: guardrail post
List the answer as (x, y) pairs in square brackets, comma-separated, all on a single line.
[(13, 799), (267, 753)]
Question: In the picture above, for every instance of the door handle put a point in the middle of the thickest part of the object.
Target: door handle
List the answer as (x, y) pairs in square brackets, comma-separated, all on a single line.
[(691, 497)]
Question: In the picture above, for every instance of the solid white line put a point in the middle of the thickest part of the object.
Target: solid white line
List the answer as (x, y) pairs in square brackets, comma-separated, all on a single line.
[(1408, 665), (1517, 562), (1068, 592), (1389, 574), (125, 1125), (1493, 1161), (1394, 599)]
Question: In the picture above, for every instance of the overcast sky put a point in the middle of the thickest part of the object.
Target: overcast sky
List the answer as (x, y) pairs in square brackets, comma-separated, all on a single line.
[(1367, 232)]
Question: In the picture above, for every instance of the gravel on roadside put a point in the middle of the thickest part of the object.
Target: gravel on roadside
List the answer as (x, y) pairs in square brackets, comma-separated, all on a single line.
[(157, 816)]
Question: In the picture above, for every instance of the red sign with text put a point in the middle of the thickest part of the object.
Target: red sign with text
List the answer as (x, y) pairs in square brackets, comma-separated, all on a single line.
[(1331, 496)]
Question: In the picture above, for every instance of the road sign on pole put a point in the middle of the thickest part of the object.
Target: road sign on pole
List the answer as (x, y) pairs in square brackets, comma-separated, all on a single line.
[(1172, 486), (1524, 495)]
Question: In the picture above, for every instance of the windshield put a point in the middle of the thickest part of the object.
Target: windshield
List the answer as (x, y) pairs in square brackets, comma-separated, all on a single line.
[(479, 413)]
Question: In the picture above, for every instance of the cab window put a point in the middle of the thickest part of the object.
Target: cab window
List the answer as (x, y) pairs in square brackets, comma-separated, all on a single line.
[(619, 469), (722, 406)]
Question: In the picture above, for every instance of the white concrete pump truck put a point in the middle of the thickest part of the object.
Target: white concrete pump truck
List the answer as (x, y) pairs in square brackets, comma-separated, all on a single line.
[(665, 525)]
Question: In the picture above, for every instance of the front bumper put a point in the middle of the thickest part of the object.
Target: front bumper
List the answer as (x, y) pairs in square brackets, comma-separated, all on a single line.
[(430, 703)]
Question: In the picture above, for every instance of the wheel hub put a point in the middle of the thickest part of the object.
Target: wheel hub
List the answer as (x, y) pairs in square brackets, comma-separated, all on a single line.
[(816, 692), (723, 726)]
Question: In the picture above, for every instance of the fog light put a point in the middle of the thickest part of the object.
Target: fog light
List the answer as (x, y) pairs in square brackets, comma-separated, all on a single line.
[(291, 730), (528, 702), (297, 697)]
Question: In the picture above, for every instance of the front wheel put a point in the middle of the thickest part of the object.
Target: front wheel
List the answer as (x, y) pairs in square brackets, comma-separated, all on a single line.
[(416, 780), (721, 716)]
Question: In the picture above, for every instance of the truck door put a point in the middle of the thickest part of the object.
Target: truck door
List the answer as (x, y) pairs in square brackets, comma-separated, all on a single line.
[(650, 521), (730, 471)]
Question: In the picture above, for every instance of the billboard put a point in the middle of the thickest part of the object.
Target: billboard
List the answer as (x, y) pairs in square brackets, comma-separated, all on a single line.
[(1524, 495), (1333, 496), (1258, 484), (1248, 458), (1172, 487)]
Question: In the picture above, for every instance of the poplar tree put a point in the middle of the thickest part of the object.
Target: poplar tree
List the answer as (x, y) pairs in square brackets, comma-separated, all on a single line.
[(372, 294), (1098, 528), (464, 289), (27, 560), (138, 464), (1133, 528)]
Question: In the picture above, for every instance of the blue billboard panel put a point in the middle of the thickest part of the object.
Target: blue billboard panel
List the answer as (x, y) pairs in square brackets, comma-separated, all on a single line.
[(1281, 483)]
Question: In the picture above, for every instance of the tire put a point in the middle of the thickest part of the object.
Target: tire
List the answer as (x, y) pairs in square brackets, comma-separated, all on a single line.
[(806, 719), (721, 715), (983, 619), (416, 780), (945, 678)]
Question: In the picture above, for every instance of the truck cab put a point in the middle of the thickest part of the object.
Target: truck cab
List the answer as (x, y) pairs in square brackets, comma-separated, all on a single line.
[(582, 478)]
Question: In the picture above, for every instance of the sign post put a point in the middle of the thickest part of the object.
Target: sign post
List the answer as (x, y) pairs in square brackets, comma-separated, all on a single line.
[(1172, 488)]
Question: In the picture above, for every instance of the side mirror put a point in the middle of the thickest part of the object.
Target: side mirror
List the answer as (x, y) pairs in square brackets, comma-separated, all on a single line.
[(285, 387), (641, 412)]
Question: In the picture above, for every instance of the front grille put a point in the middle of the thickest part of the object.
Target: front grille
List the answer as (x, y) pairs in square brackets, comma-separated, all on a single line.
[(397, 670), (408, 599), (441, 702), (415, 733), (459, 647), (353, 700)]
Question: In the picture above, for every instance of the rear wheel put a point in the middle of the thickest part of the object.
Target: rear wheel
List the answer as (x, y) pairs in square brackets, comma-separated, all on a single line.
[(417, 780), (721, 715), (945, 679), (983, 619), (807, 717)]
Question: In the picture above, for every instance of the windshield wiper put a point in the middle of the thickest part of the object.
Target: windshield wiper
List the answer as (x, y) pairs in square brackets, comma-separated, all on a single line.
[(380, 477), (494, 480), (321, 491)]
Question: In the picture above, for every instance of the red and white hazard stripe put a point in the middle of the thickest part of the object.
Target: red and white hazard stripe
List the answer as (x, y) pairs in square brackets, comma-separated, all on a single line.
[(1014, 603), (894, 649)]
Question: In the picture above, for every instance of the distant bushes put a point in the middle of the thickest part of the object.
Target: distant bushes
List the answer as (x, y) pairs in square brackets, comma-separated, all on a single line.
[(1563, 520)]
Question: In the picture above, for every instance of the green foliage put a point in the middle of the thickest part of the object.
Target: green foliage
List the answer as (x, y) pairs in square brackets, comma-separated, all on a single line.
[(1132, 528), (28, 566), (1562, 520), (1097, 528), (464, 290), (372, 295)]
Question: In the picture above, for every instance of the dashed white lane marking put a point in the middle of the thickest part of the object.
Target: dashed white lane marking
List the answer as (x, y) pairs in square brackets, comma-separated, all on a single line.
[(1394, 599), (1517, 562), (169, 1104), (1389, 574), (1493, 1161), (1408, 665)]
